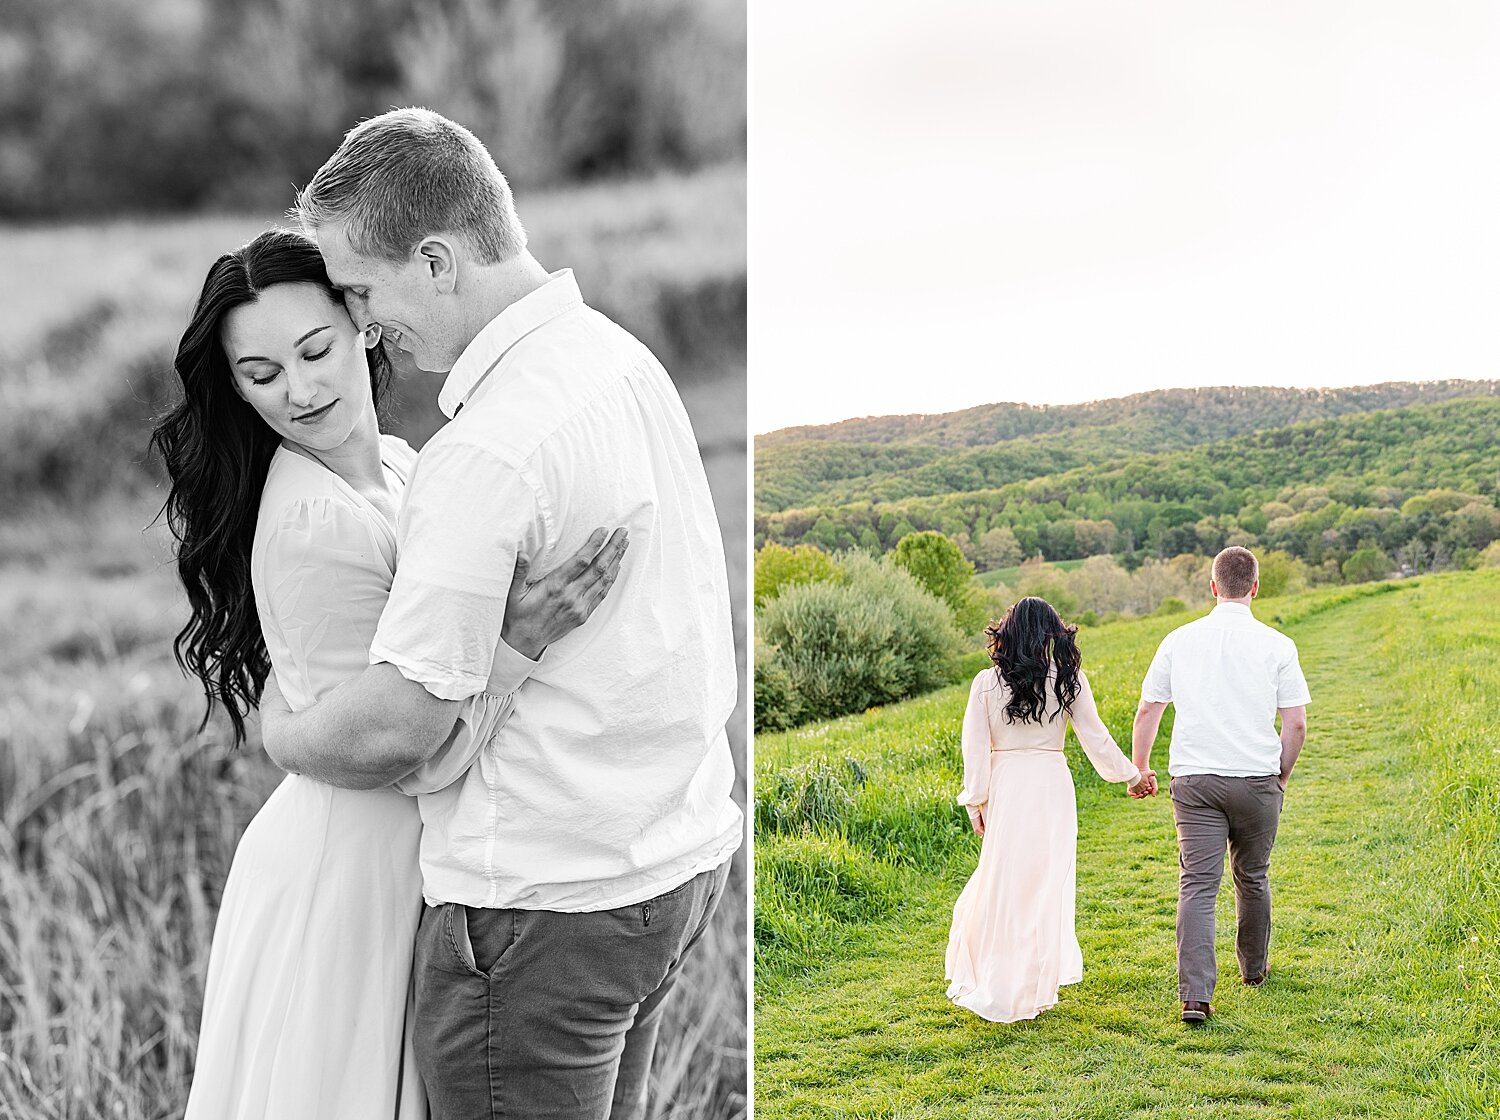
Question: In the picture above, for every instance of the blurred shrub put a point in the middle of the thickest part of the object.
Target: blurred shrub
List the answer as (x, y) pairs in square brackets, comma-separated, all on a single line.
[(1367, 564), (184, 104), (872, 639)]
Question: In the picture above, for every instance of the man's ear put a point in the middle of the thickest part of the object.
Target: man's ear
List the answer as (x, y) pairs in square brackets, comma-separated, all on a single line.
[(439, 261), (1255, 589)]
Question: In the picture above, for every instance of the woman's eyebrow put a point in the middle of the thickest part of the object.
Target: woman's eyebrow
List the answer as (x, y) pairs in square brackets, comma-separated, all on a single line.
[(299, 342)]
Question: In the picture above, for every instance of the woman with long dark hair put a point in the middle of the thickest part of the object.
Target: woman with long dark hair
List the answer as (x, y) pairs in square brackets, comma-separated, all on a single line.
[(283, 501), (1012, 943)]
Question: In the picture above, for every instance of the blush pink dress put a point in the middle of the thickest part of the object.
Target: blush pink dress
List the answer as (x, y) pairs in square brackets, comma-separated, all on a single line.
[(1012, 943)]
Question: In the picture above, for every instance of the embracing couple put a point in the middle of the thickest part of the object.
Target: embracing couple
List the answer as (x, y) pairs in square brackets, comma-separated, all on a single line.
[(1012, 943), (543, 761)]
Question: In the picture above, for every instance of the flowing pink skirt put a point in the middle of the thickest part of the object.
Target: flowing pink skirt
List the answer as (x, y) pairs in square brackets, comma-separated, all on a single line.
[(1012, 943)]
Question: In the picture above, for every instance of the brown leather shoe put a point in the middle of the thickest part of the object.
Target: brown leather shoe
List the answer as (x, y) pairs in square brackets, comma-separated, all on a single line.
[(1256, 981), (1195, 1011)]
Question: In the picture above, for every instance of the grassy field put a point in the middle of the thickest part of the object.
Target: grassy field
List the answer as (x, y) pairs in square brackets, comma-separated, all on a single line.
[(117, 817), (1384, 999)]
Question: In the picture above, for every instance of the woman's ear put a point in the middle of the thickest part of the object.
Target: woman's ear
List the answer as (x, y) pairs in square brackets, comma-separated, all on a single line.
[(372, 336)]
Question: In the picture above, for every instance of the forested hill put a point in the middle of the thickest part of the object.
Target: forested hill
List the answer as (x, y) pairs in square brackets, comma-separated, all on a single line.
[(889, 458), (1418, 481)]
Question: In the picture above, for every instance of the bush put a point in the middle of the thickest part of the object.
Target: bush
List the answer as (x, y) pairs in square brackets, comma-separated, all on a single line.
[(778, 567), (776, 705), (1367, 564), (938, 564), (874, 638)]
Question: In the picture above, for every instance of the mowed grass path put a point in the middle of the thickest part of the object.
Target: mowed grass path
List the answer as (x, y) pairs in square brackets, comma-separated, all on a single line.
[(1383, 999)]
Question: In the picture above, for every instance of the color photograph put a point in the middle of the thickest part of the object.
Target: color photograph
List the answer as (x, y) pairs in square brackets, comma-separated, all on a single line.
[(1127, 562), (365, 371)]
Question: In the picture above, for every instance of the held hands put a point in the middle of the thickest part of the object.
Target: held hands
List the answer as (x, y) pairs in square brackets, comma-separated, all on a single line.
[(538, 612), (1144, 788)]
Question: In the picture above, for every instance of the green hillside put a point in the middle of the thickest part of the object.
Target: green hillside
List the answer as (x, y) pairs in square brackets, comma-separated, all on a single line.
[(1384, 999), (888, 458), (1318, 490)]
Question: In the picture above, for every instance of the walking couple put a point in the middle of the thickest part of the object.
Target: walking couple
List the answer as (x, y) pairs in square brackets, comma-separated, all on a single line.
[(544, 762), (1012, 943)]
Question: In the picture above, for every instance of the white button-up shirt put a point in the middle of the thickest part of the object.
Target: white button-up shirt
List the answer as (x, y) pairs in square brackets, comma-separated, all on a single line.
[(610, 784), (1227, 674)]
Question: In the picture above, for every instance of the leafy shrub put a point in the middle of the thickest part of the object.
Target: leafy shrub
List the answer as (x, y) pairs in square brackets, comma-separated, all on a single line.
[(1367, 564), (777, 706), (875, 638), (938, 564), (778, 567)]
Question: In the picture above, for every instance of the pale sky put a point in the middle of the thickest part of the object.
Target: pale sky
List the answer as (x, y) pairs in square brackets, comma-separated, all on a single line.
[(957, 202)]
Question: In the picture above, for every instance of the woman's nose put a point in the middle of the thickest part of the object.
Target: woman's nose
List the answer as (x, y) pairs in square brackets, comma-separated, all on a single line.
[(300, 387)]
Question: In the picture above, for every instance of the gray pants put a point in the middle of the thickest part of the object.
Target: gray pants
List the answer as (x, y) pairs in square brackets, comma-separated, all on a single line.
[(537, 1013), (1212, 811)]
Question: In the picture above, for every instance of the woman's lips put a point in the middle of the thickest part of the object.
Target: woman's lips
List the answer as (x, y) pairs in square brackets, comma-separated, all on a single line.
[(315, 415)]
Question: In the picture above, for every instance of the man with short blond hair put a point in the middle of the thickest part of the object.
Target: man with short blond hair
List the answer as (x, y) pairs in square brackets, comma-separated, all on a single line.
[(575, 867), (1229, 677)]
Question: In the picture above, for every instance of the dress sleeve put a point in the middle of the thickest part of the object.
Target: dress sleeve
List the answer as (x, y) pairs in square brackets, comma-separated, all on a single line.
[(324, 584), (1097, 742), (481, 717), (976, 747)]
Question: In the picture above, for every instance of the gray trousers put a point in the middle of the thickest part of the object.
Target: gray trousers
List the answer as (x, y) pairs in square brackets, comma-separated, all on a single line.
[(537, 1013), (1213, 811)]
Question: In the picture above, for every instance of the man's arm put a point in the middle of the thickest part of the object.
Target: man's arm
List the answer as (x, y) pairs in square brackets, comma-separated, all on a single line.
[(1143, 737), (370, 731), (1293, 735), (379, 726)]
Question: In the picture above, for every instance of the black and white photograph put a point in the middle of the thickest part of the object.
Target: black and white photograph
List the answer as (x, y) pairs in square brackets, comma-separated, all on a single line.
[(373, 560)]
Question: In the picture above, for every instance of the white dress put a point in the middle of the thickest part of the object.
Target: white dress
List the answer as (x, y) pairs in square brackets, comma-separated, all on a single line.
[(1012, 943), (305, 1008)]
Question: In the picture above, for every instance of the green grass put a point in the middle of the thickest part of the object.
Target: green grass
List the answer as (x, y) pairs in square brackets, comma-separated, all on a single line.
[(1008, 576), (118, 817), (1385, 994)]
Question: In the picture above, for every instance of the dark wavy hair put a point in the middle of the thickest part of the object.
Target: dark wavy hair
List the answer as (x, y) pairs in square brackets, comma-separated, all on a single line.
[(216, 450), (1024, 645)]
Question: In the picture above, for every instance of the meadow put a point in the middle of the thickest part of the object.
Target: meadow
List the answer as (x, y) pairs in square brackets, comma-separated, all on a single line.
[(118, 816), (1384, 999)]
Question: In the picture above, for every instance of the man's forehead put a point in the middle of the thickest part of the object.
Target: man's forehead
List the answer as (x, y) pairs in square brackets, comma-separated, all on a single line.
[(343, 263)]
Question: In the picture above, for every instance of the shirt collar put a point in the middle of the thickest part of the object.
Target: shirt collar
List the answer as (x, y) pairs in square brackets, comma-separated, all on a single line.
[(1232, 608), (558, 295)]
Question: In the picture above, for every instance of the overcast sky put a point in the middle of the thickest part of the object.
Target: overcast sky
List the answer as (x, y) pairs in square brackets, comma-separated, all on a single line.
[(959, 201)]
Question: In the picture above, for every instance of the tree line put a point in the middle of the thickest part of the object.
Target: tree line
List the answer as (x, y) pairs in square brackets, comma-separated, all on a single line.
[(1418, 484)]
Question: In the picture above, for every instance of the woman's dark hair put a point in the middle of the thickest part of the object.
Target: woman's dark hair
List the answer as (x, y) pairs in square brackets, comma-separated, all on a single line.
[(216, 450), (1024, 645)]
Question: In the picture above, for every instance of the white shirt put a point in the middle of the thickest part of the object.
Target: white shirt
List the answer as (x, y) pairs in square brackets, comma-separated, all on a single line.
[(1227, 674), (610, 784)]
